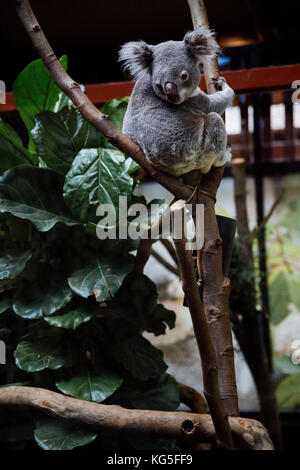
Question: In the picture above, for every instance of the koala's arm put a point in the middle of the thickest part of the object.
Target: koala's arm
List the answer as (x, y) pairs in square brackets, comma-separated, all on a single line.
[(216, 102)]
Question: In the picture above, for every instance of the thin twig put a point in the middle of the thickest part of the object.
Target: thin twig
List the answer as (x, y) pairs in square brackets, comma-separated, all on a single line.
[(170, 247), (266, 219), (164, 262)]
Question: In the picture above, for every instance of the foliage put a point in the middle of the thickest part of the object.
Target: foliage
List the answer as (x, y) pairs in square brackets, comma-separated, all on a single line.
[(73, 310), (283, 245)]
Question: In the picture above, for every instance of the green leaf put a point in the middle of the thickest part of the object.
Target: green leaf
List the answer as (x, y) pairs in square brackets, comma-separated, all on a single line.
[(71, 320), (158, 319), (116, 109), (294, 288), (44, 349), (284, 364), (97, 176), (51, 434), (35, 91), (161, 395), (12, 152), (139, 357), (12, 263), (63, 100), (37, 302), (137, 296), (279, 298), (102, 278), (59, 137), (288, 393), (34, 194), (90, 385)]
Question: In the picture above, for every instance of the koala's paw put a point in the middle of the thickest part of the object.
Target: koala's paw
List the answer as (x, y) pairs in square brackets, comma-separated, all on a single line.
[(220, 83), (225, 157)]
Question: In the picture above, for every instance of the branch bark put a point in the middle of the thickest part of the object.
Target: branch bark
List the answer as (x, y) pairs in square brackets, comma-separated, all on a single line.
[(201, 329), (248, 434), (192, 398), (216, 288)]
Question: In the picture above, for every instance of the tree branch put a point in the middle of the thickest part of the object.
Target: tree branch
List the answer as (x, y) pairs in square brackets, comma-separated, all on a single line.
[(202, 333), (169, 246), (266, 219), (216, 288), (248, 434), (86, 107), (164, 262), (192, 398)]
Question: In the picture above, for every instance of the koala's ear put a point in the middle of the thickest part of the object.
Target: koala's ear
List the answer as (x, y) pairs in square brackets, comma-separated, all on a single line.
[(137, 58), (202, 43)]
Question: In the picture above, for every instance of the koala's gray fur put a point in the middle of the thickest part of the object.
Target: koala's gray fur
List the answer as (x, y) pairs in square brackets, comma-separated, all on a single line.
[(177, 125)]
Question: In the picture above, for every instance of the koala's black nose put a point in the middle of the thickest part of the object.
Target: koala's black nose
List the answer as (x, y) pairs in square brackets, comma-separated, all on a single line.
[(171, 91)]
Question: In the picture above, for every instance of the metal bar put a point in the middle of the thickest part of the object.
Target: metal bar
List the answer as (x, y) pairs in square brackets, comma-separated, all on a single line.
[(259, 186)]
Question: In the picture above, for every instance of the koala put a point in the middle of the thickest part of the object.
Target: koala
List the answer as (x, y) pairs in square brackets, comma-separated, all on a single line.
[(177, 125)]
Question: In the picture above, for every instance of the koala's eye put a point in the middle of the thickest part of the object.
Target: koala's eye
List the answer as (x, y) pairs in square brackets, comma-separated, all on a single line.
[(184, 76)]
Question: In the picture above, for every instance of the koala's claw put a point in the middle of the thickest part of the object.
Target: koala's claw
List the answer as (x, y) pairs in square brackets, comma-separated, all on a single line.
[(219, 83)]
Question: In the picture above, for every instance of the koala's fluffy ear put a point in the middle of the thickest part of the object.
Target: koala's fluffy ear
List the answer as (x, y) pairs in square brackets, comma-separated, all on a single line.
[(137, 58), (202, 43)]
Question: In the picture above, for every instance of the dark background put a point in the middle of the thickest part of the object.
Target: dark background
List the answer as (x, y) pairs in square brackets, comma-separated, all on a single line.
[(90, 32)]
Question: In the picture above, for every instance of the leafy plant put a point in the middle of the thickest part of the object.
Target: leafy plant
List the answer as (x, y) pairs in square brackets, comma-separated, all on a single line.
[(73, 310)]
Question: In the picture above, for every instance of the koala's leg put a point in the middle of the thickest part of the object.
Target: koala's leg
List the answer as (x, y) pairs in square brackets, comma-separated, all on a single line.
[(216, 139)]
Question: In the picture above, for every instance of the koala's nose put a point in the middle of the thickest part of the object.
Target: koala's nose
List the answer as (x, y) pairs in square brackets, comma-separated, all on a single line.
[(171, 91)]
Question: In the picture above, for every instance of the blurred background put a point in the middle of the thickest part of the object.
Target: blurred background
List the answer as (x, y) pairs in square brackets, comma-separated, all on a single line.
[(263, 126)]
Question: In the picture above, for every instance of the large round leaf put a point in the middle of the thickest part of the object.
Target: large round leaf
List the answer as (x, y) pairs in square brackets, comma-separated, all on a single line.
[(139, 357), (44, 350), (116, 110), (12, 152), (102, 278), (35, 91), (72, 319), (51, 434), (279, 298), (36, 303), (288, 393), (12, 263), (161, 395), (90, 385), (97, 176), (34, 194), (60, 136), (284, 364)]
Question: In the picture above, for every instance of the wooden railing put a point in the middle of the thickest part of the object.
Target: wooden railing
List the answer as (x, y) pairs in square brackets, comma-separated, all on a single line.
[(242, 81)]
